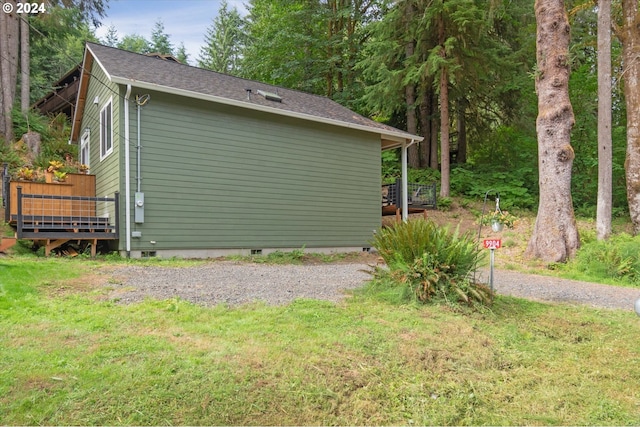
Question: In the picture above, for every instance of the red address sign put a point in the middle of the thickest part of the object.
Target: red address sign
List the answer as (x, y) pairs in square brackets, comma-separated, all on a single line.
[(492, 243)]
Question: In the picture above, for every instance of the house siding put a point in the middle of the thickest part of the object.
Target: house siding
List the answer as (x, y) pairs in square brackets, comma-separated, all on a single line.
[(222, 177), (107, 168)]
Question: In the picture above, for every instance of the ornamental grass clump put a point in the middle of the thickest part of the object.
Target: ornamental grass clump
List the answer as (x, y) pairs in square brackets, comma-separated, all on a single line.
[(427, 262)]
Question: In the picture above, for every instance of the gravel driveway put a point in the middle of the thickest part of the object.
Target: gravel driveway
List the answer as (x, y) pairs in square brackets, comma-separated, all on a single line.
[(232, 283)]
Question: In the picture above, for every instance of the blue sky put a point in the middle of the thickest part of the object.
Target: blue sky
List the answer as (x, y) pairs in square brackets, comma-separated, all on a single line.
[(184, 20)]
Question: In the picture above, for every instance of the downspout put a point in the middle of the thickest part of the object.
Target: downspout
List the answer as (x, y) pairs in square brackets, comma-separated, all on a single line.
[(138, 162), (405, 190), (127, 177)]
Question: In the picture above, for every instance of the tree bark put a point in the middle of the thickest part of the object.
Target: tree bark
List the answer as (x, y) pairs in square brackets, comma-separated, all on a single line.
[(630, 38), (434, 140), (555, 234), (412, 125), (25, 67), (444, 134), (605, 155), (9, 29), (444, 116), (426, 109), (461, 157), (410, 93)]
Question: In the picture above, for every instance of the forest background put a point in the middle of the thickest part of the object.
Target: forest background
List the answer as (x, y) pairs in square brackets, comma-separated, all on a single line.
[(386, 60)]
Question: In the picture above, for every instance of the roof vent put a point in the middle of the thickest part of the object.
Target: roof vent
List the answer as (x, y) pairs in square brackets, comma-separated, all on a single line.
[(270, 95)]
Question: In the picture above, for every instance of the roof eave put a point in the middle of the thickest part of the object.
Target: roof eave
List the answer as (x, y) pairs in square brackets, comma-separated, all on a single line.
[(399, 137)]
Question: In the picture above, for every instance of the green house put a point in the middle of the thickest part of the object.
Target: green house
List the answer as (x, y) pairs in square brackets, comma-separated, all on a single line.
[(207, 164)]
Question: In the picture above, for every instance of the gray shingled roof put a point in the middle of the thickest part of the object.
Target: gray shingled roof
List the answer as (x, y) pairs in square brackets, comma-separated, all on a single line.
[(125, 67)]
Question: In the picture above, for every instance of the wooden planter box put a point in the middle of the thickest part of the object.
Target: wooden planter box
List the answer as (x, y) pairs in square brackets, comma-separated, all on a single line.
[(75, 185)]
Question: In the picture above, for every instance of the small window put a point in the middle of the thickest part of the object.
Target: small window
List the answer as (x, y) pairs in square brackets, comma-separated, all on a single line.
[(84, 148), (106, 130)]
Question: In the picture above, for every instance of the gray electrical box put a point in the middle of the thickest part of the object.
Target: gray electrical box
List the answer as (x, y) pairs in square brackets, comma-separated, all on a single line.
[(138, 216)]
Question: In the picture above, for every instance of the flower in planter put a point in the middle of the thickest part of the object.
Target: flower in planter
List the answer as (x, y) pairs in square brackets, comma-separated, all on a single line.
[(500, 217), (59, 176), (55, 165), (27, 174)]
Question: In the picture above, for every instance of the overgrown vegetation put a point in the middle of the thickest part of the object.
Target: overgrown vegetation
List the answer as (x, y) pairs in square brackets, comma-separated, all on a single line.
[(54, 134), (68, 356), (296, 256), (426, 262), (616, 260)]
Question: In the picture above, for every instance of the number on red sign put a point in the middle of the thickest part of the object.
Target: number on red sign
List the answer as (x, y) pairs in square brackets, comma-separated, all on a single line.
[(492, 243)]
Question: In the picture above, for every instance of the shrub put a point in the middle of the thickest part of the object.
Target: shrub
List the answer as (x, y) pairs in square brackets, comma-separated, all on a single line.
[(616, 258), (430, 262), (444, 203)]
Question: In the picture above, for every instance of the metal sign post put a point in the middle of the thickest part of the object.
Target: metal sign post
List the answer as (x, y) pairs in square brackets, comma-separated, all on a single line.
[(491, 244)]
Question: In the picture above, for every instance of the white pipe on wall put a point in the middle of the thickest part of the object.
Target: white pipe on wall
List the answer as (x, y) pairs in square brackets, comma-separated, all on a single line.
[(405, 190), (127, 178)]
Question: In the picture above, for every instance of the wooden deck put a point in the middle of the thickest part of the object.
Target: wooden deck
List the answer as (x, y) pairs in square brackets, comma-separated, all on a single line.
[(52, 214), (421, 198)]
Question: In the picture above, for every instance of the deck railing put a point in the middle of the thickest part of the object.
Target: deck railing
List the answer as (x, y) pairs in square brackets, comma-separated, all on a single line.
[(421, 196), (46, 216)]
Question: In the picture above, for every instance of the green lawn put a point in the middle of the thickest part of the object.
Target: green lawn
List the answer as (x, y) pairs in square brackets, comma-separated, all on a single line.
[(68, 356)]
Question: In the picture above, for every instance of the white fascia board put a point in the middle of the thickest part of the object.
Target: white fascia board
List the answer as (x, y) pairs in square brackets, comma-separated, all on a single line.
[(395, 136)]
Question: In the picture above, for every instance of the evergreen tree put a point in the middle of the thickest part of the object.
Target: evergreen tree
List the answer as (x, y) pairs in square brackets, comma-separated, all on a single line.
[(135, 43), (555, 234), (160, 42), (309, 45), (224, 42), (629, 34), (181, 54), (111, 38)]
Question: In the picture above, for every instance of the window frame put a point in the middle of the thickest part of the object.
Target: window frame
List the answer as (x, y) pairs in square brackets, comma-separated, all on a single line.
[(106, 129), (85, 143)]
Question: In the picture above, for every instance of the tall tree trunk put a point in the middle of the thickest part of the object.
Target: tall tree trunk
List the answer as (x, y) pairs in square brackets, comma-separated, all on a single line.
[(25, 67), (412, 125), (630, 37), (461, 131), (445, 152), (444, 114), (410, 92), (605, 155), (435, 129), (426, 108), (9, 29), (555, 235)]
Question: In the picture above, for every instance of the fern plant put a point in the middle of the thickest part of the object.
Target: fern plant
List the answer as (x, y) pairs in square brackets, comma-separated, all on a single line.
[(430, 261)]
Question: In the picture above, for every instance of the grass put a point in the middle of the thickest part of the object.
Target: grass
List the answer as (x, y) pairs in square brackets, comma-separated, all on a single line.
[(68, 356)]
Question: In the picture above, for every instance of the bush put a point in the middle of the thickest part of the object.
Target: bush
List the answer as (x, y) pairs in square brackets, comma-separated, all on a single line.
[(616, 258), (516, 190), (430, 262)]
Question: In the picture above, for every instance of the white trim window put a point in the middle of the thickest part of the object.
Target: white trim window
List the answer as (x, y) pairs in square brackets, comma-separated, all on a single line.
[(83, 155), (106, 129)]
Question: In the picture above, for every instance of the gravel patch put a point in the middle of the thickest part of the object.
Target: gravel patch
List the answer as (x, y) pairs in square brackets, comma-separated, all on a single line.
[(553, 289), (234, 283)]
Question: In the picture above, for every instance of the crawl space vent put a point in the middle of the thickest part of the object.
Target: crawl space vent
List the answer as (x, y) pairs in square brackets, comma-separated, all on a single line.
[(270, 95)]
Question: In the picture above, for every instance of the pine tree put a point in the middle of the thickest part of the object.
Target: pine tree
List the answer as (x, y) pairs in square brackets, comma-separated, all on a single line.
[(224, 42), (135, 43), (111, 38), (160, 42), (181, 54)]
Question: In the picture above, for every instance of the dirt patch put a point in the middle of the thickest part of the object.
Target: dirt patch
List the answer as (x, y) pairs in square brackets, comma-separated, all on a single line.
[(85, 284)]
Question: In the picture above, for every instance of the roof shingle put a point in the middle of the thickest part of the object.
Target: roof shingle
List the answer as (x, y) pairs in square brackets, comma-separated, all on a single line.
[(139, 70)]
